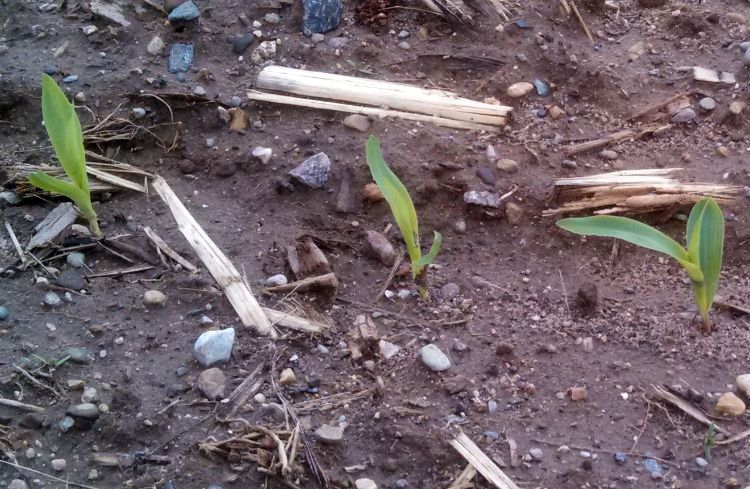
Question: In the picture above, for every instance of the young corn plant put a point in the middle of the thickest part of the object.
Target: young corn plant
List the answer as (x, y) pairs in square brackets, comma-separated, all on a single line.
[(701, 259), (402, 208), (64, 130)]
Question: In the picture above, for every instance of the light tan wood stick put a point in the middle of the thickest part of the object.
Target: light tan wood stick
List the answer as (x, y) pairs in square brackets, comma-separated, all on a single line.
[(370, 111), (476, 457), (378, 93), (163, 246), (223, 271), (21, 405)]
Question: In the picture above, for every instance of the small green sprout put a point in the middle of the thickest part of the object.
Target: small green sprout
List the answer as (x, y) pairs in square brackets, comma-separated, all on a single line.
[(701, 260), (402, 208), (64, 130), (709, 441)]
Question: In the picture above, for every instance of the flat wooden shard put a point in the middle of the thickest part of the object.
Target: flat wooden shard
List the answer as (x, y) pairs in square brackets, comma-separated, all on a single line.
[(109, 11), (51, 226), (375, 98), (484, 465)]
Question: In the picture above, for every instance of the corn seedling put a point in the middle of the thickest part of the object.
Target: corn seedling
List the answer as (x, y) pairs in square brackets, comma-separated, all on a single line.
[(402, 208), (701, 260), (64, 130)]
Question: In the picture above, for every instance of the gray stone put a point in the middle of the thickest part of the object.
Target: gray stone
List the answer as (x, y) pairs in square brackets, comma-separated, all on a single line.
[(273, 410), (199, 90), (235, 101), (387, 349), (10, 197), (52, 299), (212, 383), (180, 58), (71, 279), (241, 43), (514, 213), (507, 165), (487, 175), (214, 347), (404, 34), (482, 198), (70, 79), (330, 434), (58, 464), (154, 298), (265, 51), (272, 18), (701, 462), (707, 103), (536, 454), (402, 484), (184, 12), (4, 313), (683, 116), (314, 171), (450, 290), (321, 16), (89, 395), (434, 359), (86, 411), (78, 354), (155, 46), (17, 484), (492, 406), (404, 45), (32, 421), (608, 154), (276, 280), (317, 38), (358, 122), (337, 42), (138, 112), (76, 259)]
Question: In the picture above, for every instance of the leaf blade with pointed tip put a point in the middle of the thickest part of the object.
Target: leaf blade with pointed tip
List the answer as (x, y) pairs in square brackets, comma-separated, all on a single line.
[(397, 196), (625, 229), (64, 130), (711, 247), (434, 250), (55, 185)]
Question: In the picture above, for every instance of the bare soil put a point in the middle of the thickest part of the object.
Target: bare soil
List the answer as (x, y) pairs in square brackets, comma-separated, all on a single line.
[(518, 284)]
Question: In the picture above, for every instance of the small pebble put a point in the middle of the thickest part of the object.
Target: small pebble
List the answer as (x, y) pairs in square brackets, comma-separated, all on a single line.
[(276, 280), (707, 103), (701, 462), (138, 113), (683, 116), (58, 464), (154, 298), (519, 89), (199, 90), (70, 78), (404, 45), (537, 454), (52, 299), (433, 358), (4, 313), (608, 154), (75, 259), (507, 165)]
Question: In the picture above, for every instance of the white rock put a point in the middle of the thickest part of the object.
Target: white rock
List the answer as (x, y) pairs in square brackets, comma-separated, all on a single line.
[(154, 298), (387, 349), (138, 113), (199, 90), (365, 484), (17, 484), (434, 358), (89, 395), (155, 46), (214, 347), (357, 122), (265, 51), (743, 384), (58, 464), (276, 280), (262, 154)]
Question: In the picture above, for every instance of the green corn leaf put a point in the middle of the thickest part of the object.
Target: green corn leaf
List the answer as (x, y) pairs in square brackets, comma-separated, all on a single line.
[(692, 232), (625, 229), (397, 196), (55, 185), (429, 257), (710, 247), (64, 130)]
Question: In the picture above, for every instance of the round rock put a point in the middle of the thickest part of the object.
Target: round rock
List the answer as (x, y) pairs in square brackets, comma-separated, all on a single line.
[(358, 122), (276, 280), (214, 347), (59, 464), (743, 384), (685, 115), (707, 103), (434, 358), (154, 298), (212, 383), (519, 89), (75, 259), (17, 484)]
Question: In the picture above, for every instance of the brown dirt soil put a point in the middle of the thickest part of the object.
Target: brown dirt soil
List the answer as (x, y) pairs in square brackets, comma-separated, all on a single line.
[(518, 284)]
